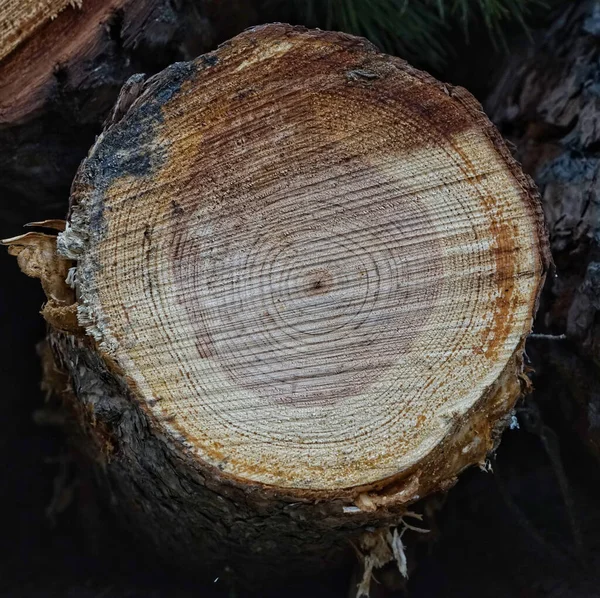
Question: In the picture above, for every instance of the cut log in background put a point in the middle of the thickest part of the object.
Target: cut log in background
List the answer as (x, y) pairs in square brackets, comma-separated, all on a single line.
[(306, 272), (61, 67)]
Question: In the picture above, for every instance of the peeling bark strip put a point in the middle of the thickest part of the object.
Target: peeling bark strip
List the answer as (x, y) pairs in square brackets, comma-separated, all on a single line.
[(306, 271)]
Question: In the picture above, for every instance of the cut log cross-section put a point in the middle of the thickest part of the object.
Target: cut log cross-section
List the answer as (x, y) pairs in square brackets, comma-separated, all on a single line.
[(308, 270)]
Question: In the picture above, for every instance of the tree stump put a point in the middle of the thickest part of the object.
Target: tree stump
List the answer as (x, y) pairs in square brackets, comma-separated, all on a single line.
[(304, 273)]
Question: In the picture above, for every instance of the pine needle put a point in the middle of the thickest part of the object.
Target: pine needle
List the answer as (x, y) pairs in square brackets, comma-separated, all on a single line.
[(418, 30)]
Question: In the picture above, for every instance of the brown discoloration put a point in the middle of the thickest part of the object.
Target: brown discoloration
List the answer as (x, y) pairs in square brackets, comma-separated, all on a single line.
[(504, 238), (318, 282), (412, 95), (385, 501), (530, 195), (471, 441), (62, 317)]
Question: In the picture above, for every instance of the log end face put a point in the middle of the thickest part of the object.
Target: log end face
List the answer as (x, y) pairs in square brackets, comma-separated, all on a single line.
[(313, 263)]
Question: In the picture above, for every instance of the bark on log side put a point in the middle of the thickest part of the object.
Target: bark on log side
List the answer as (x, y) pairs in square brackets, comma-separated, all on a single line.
[(229, 222), (59, 77), (547, 103)]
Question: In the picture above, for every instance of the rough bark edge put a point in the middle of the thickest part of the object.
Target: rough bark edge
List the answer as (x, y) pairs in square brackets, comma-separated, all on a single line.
[(86, 227), (194, 518)]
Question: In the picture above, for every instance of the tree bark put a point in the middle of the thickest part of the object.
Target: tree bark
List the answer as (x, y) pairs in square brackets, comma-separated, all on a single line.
[(303, 277), (546, 103)]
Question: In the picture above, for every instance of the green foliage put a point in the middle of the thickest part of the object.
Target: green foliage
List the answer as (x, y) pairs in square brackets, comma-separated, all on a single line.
[(418, 30)]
